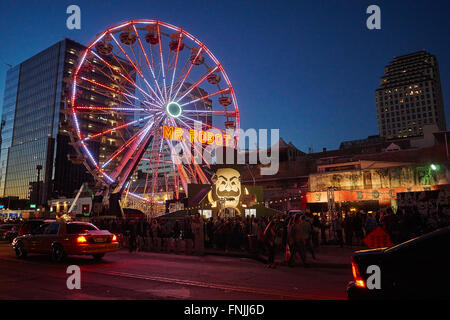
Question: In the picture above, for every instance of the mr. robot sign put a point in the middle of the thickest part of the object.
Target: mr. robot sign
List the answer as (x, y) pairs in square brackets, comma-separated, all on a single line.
[(226, 191)]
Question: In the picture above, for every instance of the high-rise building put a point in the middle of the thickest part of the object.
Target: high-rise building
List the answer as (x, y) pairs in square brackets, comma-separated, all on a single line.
[(36, 131), (410, 96)]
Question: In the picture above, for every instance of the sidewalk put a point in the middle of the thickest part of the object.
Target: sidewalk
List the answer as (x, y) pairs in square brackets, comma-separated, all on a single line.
[(327, 256)]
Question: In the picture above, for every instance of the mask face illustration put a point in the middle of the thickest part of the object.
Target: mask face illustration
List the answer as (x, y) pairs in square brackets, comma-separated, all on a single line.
[(227, 188)]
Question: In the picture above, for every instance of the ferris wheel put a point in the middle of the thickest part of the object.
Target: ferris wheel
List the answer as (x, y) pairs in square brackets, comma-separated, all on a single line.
[(134, 81)]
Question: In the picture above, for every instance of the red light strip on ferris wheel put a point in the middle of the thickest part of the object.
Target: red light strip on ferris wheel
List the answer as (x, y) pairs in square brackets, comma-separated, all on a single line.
[(134, 65), (116, 128), (197, 83), (162, 61), (176, 62), (186, 75), (141, 133), (110, 108), (148, 62), (205, 97), (129, 80), (112, 89), (206, 124)]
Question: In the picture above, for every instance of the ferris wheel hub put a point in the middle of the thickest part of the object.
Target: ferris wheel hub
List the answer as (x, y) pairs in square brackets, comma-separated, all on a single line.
[(173, 109)]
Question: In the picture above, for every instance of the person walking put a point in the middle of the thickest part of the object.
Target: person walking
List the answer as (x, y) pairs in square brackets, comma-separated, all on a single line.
[(298, 243), (306, 234), (269, 239)]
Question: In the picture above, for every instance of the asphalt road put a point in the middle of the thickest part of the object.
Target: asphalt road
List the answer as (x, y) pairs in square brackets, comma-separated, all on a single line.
[(145, 275)]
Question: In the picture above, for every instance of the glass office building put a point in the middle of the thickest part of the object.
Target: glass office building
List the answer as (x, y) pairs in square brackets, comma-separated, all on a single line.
[(9, 107), (34, 131)]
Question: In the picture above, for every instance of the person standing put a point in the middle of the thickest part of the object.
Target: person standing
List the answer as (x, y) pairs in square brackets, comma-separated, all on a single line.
[(337, 225), (316, 230), (348, 229), (370, 224), (260, 235), (132, 237), (323, 228), (199, 238), (357, 227)]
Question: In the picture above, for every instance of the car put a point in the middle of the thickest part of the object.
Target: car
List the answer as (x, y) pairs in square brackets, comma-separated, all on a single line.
[(5, 229), (30, 225), (415, 269), (60, 239)]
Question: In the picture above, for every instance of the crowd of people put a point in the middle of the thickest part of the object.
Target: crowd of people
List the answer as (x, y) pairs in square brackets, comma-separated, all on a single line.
[(403, 225), (290, 234)]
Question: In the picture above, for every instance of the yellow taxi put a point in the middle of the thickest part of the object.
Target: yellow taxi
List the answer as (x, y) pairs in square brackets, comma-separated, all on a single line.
[(60, 239)]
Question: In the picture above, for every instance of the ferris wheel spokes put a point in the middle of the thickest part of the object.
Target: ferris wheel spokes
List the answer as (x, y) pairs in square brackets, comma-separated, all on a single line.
[(117, 128), (205, 97), (112, 69), (192, 87), (158, 28), (186, 74), (147, 61), (135, 67), (175, 65), (122, 148), (143, 86)]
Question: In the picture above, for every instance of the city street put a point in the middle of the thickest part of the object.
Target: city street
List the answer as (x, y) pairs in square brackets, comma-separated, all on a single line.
[(144, 275)]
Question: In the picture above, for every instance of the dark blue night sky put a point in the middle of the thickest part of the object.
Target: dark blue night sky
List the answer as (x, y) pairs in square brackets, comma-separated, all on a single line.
[(309, 68)]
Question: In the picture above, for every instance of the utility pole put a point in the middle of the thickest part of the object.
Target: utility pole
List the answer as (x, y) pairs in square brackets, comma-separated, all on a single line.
[(38, 201), (446, 145), (331, 208)]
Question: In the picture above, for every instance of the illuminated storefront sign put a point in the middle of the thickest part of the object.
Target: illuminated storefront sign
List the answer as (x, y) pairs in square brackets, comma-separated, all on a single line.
[(196, 136), (382, 195)]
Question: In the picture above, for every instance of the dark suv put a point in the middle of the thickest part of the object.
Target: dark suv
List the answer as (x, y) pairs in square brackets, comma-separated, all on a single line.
[(417, 269)]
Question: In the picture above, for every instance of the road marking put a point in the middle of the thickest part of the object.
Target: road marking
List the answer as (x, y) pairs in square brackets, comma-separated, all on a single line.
[(193, 283), (224, 287)]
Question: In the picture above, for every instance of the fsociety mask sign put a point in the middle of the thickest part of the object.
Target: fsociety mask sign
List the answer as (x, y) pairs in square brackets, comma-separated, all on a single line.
[(227, 190)]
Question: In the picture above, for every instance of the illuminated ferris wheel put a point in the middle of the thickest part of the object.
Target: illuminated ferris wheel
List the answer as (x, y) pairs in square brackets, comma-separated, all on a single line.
[(134, 81)]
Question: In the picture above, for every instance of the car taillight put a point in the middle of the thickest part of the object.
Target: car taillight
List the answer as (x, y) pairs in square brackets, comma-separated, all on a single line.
[(357, 276), (114, 238), (81, 239)]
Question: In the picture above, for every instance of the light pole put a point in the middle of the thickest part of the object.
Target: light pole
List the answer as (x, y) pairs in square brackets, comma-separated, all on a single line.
[(39, 168)]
